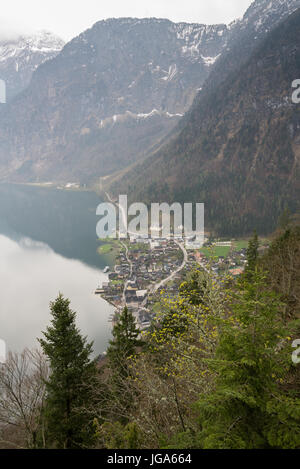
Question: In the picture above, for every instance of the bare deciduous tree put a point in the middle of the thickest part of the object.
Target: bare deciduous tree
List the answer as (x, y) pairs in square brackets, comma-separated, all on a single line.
[(22, 395)]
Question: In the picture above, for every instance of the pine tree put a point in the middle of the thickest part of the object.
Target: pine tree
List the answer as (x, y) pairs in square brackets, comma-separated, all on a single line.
[(71, 380), (194, 288), (248, 409), (252, 256), (124, 343), (122, 347), (284, 219)]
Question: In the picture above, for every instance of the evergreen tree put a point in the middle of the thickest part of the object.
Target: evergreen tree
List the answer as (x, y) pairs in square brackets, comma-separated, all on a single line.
[(122, 347), (248, 409), (194, 288), (252, 255), (284, 219), (124, 343), (282, 262), (71, 380), (118, 436)]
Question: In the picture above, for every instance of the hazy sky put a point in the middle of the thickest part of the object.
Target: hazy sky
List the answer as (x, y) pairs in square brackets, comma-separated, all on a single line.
[(68, 18)]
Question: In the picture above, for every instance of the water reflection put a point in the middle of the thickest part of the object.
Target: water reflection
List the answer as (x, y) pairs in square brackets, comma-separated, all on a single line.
[(64, 220), (31, 275)]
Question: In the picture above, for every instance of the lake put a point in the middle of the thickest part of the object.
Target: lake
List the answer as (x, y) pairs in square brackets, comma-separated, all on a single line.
[(48, 244)]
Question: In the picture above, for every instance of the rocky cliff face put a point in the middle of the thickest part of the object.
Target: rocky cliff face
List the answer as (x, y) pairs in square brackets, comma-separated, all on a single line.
[(21, 56), (106, 99)]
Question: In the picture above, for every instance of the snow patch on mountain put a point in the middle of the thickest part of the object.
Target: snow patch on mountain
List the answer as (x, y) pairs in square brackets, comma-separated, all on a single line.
[(196, 38), (21, 56), (171, 73), (128, 115), (42, 42), (210, 60)]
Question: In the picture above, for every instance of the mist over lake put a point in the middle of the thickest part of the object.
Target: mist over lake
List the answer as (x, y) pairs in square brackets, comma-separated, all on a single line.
[(45, 250)]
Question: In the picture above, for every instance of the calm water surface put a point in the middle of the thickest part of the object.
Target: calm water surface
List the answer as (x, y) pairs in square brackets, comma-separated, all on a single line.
[(48, 245)]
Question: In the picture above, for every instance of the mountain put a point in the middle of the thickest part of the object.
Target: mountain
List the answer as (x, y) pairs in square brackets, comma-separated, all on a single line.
[(115, 94), (246, 33), (108, 98), (238, 150), (21, 56)]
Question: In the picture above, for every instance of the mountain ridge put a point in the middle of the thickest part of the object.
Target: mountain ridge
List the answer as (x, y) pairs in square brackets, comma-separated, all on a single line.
[(21, 56), (238, 149), (119, 90), (103, 102)]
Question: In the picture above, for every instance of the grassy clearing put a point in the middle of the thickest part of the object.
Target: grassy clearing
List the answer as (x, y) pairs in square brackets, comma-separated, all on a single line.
[(117, 282), (241, 244), (216, 251), (141, 247), (105, 249), (109, 250)]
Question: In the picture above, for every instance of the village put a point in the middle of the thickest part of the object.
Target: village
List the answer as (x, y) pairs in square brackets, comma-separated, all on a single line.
[(144, 267)]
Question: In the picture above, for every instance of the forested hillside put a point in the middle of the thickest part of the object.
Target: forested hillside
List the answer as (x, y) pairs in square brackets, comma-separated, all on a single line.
[(238, 151)]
